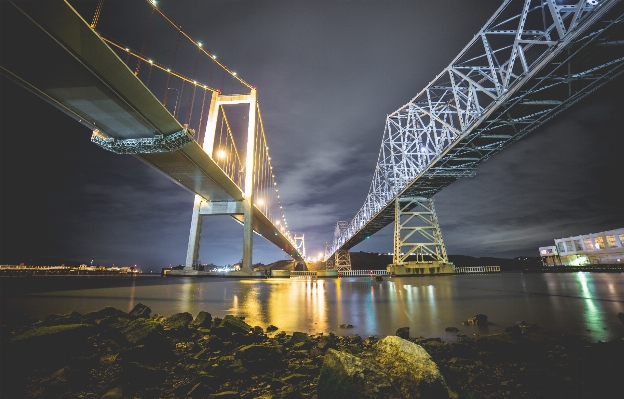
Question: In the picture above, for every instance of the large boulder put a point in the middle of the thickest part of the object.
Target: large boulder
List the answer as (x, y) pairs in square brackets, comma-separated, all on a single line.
[(396, 368), (298, 337), (140, 311), (203, 320), (235, 325), (145, 332), (176, 321), (104, 316), (479, 320)]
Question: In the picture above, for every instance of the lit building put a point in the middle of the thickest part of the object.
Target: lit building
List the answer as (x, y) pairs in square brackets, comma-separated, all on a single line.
[(602, 248)]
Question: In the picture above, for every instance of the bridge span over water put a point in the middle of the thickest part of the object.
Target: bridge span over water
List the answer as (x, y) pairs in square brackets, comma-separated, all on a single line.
[(214, 145), (531, 60)]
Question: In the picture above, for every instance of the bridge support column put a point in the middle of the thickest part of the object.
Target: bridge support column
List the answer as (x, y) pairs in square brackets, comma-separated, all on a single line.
[(195, 235), (249, 182), (343, 260), (416, 228)]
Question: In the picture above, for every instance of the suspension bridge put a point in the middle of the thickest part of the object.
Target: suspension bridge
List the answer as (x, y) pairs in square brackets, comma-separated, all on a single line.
[(180, 111), (531, 60)]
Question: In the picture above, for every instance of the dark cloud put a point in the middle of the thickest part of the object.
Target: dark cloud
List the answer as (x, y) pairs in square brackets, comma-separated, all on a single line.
[(328, 73)]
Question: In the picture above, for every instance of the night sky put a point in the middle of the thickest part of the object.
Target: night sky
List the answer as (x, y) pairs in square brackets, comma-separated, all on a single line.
[(327, 75)]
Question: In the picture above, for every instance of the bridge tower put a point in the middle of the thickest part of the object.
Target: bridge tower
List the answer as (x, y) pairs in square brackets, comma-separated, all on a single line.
[(203, 206), (342, 259), (416, 228), (300, 245)]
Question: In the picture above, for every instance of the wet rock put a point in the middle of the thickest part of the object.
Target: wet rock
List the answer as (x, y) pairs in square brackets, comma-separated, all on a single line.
[(60, 340), (479, 320), (403, 332), (140, 311), (235, 324), (326, 341), (255, 357), (346, 376), (451, 329), (177, 321), (203, 320), (222, 332), (271, 328), (346, 326), (57, 320), (115, 393), (414, 373), (299, 337), (145, 332), (280, 335), (408, 366), (294, 379), (516, 329), (257, 330), (213, 342)]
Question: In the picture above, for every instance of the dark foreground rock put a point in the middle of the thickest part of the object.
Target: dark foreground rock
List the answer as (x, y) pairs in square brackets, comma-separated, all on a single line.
[(394, 368), (113, 354)]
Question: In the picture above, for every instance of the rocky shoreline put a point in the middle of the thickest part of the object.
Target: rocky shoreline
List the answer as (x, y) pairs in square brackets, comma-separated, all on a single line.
[(113, 354)]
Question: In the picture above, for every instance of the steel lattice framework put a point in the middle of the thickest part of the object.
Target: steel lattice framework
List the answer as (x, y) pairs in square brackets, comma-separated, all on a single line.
[(531, 60)]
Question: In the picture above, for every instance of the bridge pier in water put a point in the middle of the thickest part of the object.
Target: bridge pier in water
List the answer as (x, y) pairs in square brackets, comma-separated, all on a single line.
[(416, 228)]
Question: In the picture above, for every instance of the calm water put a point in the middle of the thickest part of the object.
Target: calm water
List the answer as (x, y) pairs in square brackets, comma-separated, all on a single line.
[(581, 303)]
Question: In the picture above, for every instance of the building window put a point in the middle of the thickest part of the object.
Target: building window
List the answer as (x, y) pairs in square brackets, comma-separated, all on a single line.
[(577, 245), (569, 246), (621, 237), (599, 243), (611, 242), (589, 244), (561, 247)]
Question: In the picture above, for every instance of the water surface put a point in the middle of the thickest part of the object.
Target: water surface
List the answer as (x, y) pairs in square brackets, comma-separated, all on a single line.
[(580, 303)]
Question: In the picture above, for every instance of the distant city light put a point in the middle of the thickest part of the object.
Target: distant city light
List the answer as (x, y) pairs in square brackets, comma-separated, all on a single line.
[(221, 154)]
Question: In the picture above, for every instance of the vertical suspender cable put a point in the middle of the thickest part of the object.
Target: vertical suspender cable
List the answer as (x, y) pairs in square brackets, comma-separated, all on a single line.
[(175, 54), (149, 25)]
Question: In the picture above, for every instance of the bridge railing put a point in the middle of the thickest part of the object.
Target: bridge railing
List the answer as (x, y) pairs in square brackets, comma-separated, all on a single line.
[(363, 273), (477, 269)]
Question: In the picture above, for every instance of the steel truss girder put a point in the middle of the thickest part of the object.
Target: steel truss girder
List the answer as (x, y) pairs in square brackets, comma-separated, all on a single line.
[(416, 228), (158, 143), (512, 77)]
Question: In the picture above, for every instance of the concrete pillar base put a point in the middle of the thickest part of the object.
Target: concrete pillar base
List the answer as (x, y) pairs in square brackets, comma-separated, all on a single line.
[(280, 273), (327, 273)]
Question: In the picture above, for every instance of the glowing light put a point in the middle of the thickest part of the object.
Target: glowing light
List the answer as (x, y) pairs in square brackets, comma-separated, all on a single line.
[(168, 70), (234, 73), (199, 44), (151, 62), (214, 57), (127, 49), (221, 154), (260, 201)]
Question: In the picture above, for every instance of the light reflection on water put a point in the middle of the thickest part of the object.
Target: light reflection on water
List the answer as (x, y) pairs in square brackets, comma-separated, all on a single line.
[(582, 303)]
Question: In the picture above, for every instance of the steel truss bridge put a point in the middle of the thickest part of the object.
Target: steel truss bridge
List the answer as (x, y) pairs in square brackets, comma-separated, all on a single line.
[(531, 60), (176, 108)]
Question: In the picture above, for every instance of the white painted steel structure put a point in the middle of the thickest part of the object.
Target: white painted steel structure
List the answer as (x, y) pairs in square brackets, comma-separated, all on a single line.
[(477, 269), (530, 61)]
